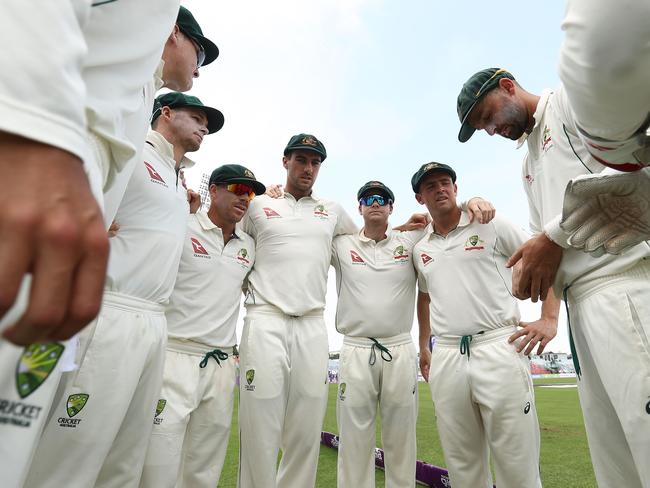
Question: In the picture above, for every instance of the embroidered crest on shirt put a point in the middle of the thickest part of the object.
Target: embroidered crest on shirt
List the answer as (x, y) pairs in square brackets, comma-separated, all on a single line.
[(154, 175), (547, 142), (400, 254), (241, 256), (426, 259), (356, 259), (199, 250), (270, 213), (474, 243), (321, 212)]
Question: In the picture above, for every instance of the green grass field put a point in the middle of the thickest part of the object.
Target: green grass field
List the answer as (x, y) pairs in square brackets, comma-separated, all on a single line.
[(565, 455)]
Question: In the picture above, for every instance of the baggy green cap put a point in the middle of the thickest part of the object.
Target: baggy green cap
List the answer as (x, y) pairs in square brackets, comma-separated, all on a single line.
[(306, 141), (190, 27), (236, 173), (375, 187), (427, 168), (474, 89), (178, 100)]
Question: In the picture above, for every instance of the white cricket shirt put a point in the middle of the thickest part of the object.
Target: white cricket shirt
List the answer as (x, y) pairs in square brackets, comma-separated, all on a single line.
[(153, 218), (204, 305), (466, 277), (293, 242), (555, 156), (375, 282)]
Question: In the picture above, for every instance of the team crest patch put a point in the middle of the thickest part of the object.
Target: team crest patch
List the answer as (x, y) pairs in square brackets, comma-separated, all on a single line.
[(400, 254), (474, 243), (356, 259), (76, 403), (241, 256), (547, 142), (426, 259), (250, 377), (342, 388), (321, 212), (309, 141), (35, 365), (271, 214), (160, 406), (249, 174)]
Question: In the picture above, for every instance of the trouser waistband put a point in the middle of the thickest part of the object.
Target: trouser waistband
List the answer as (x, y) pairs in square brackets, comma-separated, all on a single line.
[(397, 340), (583, 289), (268, 309), (130, 303), (194, 348), (476, 339)]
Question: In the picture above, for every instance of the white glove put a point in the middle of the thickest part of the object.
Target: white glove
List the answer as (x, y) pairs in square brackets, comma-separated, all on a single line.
[(607, 213)]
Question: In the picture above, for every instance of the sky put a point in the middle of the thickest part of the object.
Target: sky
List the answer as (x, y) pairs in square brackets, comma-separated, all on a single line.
[(376, 81)]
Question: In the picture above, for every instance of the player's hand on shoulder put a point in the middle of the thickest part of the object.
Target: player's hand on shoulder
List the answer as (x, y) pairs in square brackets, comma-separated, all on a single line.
[(113, 229), (51, 227), (417, 221), (480, 210), (194, 199), (425, 363), (538, 333), (274, 191)]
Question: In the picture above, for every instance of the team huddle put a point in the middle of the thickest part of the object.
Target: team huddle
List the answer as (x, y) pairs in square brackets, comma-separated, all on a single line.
[(120, 294)]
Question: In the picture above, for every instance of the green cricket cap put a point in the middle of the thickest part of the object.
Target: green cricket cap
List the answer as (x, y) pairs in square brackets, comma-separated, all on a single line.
[(375, 188), (474, 89), (178, 100), (190, 27), (427, 168), (306, 141), (236, 173)]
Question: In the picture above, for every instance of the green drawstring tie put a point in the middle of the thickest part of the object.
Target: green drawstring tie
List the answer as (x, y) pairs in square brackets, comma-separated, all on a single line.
[(572, 346), (464, 344), (218, 355), (385, 353)]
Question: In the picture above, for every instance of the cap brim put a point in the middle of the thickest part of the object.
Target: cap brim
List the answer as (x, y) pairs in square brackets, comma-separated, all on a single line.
[(466, 130), (215, 117), (306, 148), (210, 48)]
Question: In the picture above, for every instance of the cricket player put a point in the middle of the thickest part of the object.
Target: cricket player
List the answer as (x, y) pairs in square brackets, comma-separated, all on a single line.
[(375, 281), (95, 58), (103, 410), (192, 422), (480, 383), (606, 296)]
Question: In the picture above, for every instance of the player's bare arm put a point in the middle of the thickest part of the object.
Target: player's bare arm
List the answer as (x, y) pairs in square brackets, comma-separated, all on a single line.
[(425, 333), (540, 259), (540, 332), (52, 227)]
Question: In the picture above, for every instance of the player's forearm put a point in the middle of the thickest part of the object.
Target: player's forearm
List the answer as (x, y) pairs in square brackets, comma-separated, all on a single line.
[(424, 321), (551, 307)]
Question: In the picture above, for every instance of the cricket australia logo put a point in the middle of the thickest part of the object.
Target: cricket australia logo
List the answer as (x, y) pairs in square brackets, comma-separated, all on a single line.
[(271, 214), (35, 365), (474, 243), (159, 409), (250, 377), (199, 250), (241, 256), (342, 387), (547, 142), (310, 141), (154, 175), (426, 259), (356, 259), (75, 404), (321, 212), (400, 254)]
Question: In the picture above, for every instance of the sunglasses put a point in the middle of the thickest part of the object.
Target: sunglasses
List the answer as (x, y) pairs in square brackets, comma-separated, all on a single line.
[(370, 199), (200, 52), (241, 189)]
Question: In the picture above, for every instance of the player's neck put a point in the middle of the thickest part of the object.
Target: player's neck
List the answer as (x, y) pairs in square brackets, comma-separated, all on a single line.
[(295, 192), (446, 221), (227, 227), (179, 154), (375, 230)]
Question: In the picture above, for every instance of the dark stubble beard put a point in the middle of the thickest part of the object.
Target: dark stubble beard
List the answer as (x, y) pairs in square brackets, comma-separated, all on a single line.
[(517, 118)]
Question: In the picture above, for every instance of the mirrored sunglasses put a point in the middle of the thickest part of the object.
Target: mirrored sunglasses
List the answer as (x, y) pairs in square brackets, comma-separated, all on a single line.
[(369, 199), (241, 189)]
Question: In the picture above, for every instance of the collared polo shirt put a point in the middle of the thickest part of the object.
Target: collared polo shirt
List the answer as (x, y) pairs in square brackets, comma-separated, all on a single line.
[(204, 305), (466, 278), (153, 216), (293, 241), (555, 156), (375, 282)]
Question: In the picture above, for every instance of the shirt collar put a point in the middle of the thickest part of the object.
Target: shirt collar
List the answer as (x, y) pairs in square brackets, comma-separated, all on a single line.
[(462, 222), (207, 224), (537, 116), (157, 76), (165, 148)]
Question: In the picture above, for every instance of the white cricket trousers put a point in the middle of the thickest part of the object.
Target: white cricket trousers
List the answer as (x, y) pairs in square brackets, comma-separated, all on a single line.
[(610, 324), (370, 380), (605, 67), (191, 428), (283, 397), (485, 405), (99, 426)]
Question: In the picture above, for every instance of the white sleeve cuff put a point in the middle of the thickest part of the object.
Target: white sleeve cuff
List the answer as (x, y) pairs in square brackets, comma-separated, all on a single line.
[(555, 233)]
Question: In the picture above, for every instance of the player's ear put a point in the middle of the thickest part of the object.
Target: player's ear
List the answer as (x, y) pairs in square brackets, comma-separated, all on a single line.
[(455, 189), (285, 162), (418, 197), (390, 208), (360, 210)]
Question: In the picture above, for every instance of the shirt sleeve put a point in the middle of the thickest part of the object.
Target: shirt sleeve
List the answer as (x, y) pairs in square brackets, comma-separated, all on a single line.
[(247, 224), (344, 223), (534, 218), (42, 92), (509, 236)]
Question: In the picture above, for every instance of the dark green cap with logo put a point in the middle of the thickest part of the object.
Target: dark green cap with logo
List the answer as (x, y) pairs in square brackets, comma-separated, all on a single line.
[(306, 141), (427, 168), (474, 89), (236, 173), (375, 188), (191, 28), (178, 100)]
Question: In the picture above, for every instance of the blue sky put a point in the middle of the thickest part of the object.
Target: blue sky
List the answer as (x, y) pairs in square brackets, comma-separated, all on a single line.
[(377, 82)]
